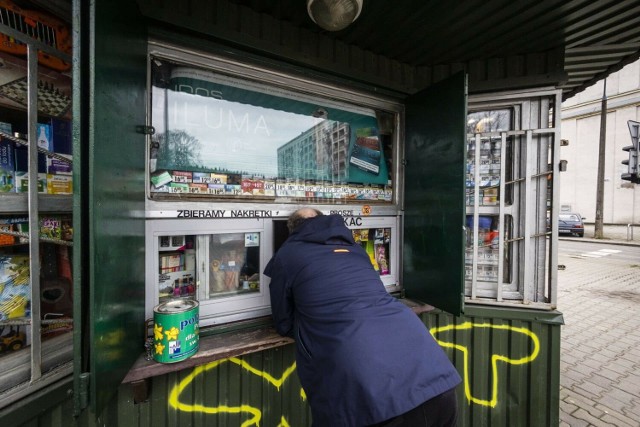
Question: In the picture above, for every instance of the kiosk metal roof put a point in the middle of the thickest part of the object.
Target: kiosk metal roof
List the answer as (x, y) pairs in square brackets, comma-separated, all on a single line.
[(598, 37)]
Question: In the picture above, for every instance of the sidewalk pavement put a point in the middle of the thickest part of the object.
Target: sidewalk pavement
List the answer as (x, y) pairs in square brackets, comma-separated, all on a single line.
[(612, 234), (600, 341)]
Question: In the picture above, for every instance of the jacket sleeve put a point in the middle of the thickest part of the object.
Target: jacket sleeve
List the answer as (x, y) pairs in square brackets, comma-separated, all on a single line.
[(282, 304)]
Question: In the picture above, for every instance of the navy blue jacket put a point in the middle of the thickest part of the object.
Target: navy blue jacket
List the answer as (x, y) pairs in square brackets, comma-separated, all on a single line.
[(362, 356)]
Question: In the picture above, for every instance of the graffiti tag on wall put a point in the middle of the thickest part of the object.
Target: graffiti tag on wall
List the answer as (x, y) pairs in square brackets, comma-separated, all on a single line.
[(254, 413), (495, 360)]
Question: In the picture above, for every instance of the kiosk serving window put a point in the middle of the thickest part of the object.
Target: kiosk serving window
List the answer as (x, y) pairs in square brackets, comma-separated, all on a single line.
[(218, 136), (234, 150), (220, 262)]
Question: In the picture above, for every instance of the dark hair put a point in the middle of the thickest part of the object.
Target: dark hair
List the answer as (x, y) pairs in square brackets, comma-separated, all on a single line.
[(301, 215)]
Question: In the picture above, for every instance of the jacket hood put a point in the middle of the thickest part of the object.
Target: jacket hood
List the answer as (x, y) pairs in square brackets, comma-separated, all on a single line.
[(325, 229)]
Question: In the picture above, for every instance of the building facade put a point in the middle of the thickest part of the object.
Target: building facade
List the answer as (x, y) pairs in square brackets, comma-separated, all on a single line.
[(581, 127)]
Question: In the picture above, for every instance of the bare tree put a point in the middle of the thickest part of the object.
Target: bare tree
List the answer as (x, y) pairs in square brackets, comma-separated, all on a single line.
[(178, 150)]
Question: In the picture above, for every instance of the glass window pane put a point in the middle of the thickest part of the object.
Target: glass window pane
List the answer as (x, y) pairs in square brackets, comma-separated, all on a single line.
[(231, 260), (217, 136)]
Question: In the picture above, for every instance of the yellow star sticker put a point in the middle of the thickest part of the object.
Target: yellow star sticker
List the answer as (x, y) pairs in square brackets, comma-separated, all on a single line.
[(172, 334), (159, 348), (157, 332)]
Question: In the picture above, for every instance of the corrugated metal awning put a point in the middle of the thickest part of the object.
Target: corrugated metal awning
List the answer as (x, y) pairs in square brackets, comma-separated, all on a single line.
[(598, 37)]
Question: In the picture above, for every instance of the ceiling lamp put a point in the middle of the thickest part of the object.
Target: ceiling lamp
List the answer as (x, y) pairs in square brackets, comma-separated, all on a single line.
[(334, 15)]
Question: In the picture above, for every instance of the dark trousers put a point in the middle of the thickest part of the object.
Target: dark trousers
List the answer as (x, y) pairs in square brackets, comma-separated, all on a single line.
[(441, 411)]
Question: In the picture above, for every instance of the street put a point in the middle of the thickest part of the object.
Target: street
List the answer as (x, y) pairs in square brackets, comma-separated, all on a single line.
[(599, 296)]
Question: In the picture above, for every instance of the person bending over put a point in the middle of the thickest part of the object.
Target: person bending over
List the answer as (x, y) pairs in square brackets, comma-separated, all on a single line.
[(363, 357)]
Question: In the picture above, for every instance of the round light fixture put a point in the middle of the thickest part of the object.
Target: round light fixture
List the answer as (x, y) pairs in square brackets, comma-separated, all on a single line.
[(334, 15)]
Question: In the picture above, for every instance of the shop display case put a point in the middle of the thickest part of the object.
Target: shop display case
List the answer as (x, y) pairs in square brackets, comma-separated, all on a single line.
[(233, 151), (508, 194), (36, 221), (220, 262)]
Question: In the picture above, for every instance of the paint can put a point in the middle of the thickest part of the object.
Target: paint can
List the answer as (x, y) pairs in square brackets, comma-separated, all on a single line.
[(175, 330)]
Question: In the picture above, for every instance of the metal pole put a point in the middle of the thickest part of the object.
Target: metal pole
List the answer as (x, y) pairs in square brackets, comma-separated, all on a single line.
[(598, 233)]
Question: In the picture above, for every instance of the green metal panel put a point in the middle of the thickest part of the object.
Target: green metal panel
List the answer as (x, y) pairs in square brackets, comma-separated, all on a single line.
[(510, 364), (111, 56), (256, 389), (434, 194), (509, 360)]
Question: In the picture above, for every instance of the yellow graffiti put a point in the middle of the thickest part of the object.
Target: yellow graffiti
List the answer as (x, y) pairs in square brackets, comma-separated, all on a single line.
[(255, 413), (495, 358), (283, 422)]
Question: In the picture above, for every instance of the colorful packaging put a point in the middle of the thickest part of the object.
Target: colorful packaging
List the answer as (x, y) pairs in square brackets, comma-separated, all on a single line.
[(59, 184), (59, 167), (195, 188), (7, 166), (43, 132), (175, 330), (201, 177), (14, 286), (22, 182), (182, 177), (6, 239), (51, 227)]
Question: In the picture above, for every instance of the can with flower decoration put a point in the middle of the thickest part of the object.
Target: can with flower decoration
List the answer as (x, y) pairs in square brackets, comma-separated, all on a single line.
[(175, 330)]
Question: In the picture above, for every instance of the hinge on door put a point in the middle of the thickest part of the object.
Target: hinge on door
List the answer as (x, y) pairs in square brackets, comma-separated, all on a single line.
[(83, 392), (145, 130)]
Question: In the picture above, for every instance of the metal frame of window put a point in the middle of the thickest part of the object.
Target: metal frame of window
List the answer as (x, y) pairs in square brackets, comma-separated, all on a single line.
[(532, 261), (159, 213), (52, 360), (278, 79)]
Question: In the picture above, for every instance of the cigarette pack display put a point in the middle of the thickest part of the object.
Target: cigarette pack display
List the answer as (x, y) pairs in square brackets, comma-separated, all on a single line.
[(257, 187), (183, 177), (177, 187), (201, 177), (217, 178), (159, 179), (196, 188), (247, 185), (217, 189), (270, 187), (232, 189)]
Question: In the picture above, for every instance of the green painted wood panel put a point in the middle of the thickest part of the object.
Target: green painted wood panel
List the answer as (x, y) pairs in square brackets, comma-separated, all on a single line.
[(509, 360), (435, 144), (112, 54)]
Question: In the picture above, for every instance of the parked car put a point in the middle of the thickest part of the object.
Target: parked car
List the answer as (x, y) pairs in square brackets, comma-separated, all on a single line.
[(571, 223)]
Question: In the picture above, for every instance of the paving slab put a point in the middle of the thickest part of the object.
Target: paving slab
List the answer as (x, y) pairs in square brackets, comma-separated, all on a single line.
[(600, 341)]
